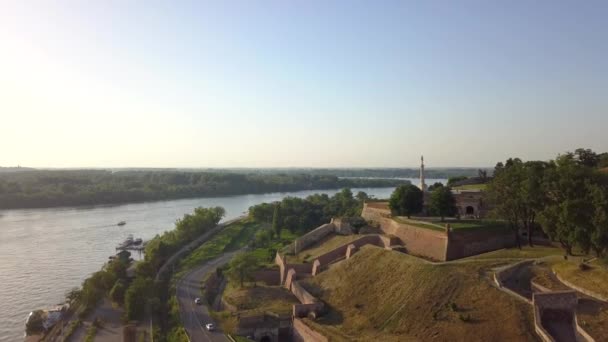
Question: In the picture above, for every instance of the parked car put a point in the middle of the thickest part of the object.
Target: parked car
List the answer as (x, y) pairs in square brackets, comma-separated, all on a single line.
[(210, 326), (198, 301)]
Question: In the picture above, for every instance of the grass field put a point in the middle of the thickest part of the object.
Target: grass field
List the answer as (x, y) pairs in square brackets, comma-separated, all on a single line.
[(388, 296), (420, 224), (327, 244), (258, 299), (594, 279), (463, 224), (471, 187), (526, 252)]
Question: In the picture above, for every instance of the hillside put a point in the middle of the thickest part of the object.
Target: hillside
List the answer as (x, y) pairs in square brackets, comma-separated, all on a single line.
[(384, 295)]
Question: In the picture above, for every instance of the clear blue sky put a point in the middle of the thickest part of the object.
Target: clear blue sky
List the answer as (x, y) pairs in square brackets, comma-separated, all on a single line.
[(300, 83)]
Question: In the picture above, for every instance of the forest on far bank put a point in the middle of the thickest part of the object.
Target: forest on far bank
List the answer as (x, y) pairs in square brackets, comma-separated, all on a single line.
[(54, 188)]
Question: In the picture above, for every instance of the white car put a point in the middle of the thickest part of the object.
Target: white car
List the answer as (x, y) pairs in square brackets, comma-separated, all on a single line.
[(197, 301), (210, 326)]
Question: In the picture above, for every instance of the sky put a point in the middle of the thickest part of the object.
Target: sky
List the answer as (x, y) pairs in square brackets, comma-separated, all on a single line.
[(300, 83)]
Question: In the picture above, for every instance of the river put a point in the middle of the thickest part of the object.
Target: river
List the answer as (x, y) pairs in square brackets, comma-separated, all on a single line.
[(46, 252)]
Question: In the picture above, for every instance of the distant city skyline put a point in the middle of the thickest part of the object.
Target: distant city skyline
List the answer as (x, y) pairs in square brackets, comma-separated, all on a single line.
[(223, 84)]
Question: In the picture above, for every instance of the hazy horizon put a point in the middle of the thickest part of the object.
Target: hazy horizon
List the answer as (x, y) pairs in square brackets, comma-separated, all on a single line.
[(190, 84)]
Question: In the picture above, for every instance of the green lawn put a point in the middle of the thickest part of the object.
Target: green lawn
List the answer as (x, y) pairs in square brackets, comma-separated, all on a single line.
[(327, 244), (471, 187), (526, 252), (474, 224), (259, 298), (464, 224), (593, 279), (420, 224)]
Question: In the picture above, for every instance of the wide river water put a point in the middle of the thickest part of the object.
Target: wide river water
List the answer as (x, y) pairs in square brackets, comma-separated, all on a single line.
[(46, 252)]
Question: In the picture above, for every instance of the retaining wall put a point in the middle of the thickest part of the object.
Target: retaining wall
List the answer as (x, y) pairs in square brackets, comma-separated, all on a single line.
[(562, 301), (417, 241), (270, 277), (466, 243), (303, 333), (313, 236), (433, 244)]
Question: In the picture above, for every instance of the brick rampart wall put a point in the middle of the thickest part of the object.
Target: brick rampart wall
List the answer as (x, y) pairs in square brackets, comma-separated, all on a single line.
[(313, 236), (303, 296), (434, 244), (270, 277), (466, 243), (303, 333), (340, 252)]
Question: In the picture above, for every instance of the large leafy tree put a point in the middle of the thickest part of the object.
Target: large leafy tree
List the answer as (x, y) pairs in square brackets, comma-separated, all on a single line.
[(406, 200), (442, 202), (503, 192), (276, 220), (517, 193), (599, 218), (242, 267), (565, 215)]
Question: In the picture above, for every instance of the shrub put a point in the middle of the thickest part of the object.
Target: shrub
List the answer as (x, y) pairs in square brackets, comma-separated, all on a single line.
[(465, 317)]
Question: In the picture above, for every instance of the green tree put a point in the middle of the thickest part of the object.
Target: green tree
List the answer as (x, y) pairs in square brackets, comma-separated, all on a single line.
[(117, 293), (442, 202), (242, 266), (361, 196), (565, 215), (276, 221), (455, 179), (406, 200), (435, 186), (503, 191), (137, 296), (599, 218), (586, 157)]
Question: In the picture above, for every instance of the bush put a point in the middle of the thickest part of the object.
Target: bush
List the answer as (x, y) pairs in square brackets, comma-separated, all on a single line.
[(465, 317), (583, 267)]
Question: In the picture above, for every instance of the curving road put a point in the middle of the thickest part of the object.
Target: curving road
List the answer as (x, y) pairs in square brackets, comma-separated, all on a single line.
[(194, 317)]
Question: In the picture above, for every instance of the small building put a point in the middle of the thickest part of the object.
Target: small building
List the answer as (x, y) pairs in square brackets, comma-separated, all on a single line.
[(470, 203)]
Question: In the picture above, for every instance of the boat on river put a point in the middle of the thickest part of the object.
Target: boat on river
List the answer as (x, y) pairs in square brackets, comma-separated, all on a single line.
[(121, 223)]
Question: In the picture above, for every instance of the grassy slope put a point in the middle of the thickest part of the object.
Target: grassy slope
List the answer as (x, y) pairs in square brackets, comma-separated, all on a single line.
[(258, 299), (327, 244), (385, 295), (594, 279), (525, 252)]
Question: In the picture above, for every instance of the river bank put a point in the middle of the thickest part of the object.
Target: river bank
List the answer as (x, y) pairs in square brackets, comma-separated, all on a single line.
[(46, 252)]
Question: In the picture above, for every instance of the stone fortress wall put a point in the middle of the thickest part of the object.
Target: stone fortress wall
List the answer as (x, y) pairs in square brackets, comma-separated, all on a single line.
[(436, 245), (336, 226)]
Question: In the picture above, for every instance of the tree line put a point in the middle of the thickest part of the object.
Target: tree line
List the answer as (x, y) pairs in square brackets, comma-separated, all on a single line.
[(300, 215), (141, 295), (50, 188), (567, 198)]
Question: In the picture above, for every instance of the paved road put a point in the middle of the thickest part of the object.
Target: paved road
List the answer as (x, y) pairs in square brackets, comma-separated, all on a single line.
[(194, 317)]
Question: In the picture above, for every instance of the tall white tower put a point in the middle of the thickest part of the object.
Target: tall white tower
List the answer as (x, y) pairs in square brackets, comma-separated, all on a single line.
[(422, 184)]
